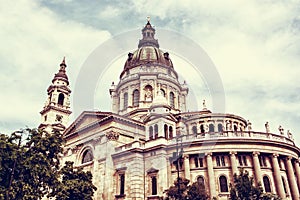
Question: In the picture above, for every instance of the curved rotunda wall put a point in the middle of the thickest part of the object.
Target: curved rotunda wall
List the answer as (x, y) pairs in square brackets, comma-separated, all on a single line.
[(149, 80), (214, 122)]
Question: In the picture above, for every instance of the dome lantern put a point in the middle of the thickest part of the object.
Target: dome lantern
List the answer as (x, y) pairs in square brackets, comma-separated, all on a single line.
[(148, 33)]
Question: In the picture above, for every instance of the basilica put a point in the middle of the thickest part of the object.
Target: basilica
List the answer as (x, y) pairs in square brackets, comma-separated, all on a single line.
[(138, 150)]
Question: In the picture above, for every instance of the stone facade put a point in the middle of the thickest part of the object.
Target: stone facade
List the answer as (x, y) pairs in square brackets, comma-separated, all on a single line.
[(133, 151)]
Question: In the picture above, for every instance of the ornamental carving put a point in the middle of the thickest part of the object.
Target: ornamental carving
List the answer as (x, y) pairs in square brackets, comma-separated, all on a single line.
[(112, 135)]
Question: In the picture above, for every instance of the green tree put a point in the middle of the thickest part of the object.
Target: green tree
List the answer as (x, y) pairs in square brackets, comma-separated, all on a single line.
[(76, 184), (30, 167), (178, 191), (197, 192), (243, 188)]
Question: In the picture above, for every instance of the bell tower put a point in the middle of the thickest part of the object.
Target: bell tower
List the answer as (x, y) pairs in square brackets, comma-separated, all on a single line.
[(55, 114)]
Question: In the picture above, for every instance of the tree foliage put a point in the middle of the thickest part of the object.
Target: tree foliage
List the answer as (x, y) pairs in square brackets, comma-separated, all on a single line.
[(197, 192), (76, 184), (30, 166), (243, 189), (192, 192)]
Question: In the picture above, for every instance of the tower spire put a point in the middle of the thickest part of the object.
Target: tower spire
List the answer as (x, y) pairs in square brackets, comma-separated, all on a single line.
[(61, 75)]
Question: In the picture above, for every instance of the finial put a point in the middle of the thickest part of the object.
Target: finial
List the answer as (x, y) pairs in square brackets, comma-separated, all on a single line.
[(148, 19), (63, 62), (204, 104)]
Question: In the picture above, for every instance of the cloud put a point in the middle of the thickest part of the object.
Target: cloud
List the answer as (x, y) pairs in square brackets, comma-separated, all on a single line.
[(254, 45), (34, 41)]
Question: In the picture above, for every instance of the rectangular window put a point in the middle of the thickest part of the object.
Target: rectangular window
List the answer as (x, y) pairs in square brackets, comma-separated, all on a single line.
[(201, 162), (260, 161), (154, 185), (240, 160), (264, 161), (196, 162), (223, 160), (245, 161), (122, 184), (218, 161)]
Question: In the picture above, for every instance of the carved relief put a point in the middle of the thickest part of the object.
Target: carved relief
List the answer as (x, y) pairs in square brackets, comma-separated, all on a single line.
[(112, 135)]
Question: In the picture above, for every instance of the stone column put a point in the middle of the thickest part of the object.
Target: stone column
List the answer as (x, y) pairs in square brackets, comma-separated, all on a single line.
[(297, 169), (277, 177), (211, 175), (187, 172), (257, 169), (234, 168), (291, 178)]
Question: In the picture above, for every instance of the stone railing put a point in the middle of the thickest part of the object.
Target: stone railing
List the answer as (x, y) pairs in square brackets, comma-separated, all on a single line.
[(225, 135), (135, 144), (236, 135)]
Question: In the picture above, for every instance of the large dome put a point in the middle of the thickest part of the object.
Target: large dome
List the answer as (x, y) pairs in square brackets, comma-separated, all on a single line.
[(148, 55), (148, 52)]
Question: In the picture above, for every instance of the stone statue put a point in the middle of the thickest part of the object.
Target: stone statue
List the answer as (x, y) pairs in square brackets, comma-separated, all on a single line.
[(228, 126), (267, 127), (148, 94), (249, 125), (206, 128), (281, 130), (204, 104), (289, 134)]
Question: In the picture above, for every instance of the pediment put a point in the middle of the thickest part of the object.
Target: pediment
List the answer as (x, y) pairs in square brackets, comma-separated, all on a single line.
[(86, 119)]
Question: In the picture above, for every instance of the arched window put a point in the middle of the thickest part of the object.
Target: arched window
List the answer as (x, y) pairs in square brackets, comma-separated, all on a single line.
[(223, 184), (154, 185), (235, 128), (267, 184), (125, 100), (172, 101), (201, 183), (284, 184), (220, 128), (166, 131), (194, 129), (61, 98), (211, 128), (155, 131), (87, 156), (202, 130), (170, 132), (150, 133), (163, 92), (136, 97)]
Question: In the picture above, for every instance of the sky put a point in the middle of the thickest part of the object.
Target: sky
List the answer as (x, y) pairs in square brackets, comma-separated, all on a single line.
[(254, 46)]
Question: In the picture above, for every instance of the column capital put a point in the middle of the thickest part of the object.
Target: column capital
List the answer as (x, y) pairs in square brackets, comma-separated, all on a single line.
[(297, 161), (186, 156), (232, 153), (256, 153), (275, 155), (208, 154)]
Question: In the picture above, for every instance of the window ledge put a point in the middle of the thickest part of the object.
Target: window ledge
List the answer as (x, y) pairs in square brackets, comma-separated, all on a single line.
[(120, 196)]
